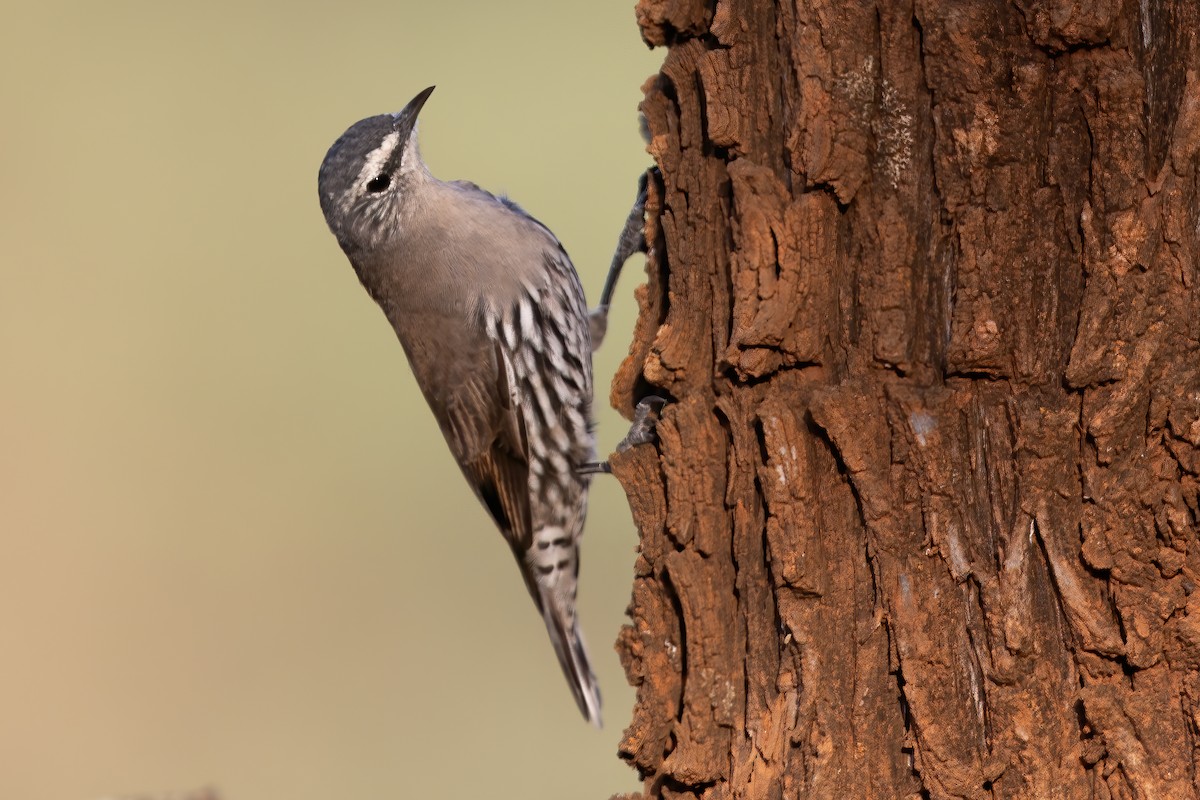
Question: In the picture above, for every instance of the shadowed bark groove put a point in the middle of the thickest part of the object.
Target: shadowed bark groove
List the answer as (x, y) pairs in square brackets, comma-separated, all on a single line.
[(922, 516)]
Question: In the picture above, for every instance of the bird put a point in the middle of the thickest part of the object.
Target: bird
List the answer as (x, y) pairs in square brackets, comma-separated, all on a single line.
[(492, 317)]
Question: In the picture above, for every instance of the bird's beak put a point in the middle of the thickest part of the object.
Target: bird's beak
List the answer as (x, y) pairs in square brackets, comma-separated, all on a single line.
[(406, 118)]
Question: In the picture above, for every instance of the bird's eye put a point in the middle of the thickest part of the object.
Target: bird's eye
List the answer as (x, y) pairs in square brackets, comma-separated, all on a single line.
[(378, 184)]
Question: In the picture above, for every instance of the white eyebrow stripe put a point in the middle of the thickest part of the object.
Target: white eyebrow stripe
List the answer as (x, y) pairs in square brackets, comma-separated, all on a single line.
[(377, 158)]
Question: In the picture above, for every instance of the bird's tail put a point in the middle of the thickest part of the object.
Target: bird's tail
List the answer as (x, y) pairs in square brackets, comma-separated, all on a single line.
[(565, 635)]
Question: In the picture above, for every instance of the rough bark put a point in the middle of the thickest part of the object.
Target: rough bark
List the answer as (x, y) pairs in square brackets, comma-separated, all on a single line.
[(922, 290)]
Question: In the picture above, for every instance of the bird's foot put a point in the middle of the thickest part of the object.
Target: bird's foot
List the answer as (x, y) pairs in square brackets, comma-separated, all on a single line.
[(632, 240), (645, 423), (642, 431)]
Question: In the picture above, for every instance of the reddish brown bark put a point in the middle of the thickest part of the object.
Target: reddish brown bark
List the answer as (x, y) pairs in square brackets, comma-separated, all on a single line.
[(922, 519)]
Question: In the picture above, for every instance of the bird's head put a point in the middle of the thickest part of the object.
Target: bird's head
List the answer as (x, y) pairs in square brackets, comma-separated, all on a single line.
[(366, 173)]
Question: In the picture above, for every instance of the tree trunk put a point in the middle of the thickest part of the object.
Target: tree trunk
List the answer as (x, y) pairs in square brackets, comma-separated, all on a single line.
[(923, 293)]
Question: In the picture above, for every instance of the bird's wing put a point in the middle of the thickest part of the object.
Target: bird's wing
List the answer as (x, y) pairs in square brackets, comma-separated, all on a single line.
[(486, 434)]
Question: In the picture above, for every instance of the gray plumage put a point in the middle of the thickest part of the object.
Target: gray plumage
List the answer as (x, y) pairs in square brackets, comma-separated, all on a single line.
[(492, 317)]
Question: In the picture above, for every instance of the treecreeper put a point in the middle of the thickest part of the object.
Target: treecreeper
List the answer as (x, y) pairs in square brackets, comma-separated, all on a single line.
[(492, 317)]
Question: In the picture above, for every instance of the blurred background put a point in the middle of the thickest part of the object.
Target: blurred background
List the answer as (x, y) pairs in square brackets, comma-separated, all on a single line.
[(234, 550)]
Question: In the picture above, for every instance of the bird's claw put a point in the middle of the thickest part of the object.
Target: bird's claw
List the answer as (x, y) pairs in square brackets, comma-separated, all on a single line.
[(645, 423)]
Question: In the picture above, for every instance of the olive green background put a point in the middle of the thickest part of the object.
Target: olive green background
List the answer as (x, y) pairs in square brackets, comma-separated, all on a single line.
[(234, 551)]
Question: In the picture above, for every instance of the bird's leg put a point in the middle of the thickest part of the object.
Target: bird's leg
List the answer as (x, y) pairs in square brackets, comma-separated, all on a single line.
[(642, 431), (632, 240)]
